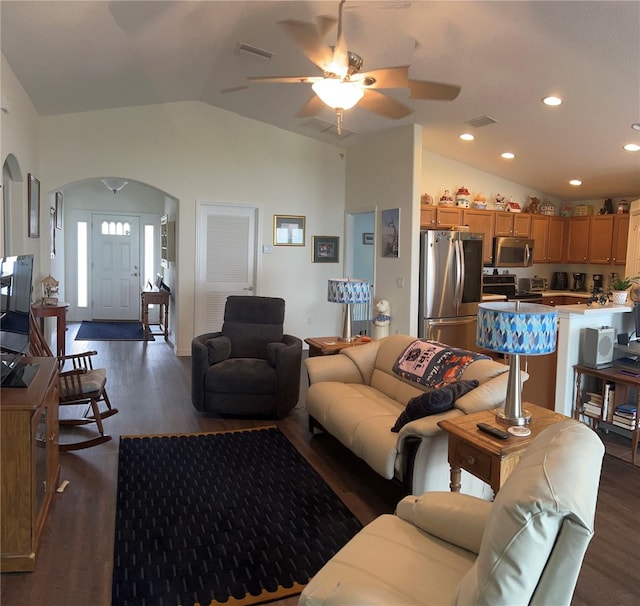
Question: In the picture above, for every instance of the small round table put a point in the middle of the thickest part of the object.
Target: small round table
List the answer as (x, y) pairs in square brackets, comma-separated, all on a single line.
[(59, 311)]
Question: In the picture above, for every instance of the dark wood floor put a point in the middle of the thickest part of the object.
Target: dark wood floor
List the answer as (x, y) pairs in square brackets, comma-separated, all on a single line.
[(151, 388)]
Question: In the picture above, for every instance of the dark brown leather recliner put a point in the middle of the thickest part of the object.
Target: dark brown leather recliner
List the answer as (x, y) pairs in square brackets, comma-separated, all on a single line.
[(249, 368)]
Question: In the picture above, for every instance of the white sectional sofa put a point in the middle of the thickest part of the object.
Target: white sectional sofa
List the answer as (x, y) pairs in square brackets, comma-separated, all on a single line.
[(356, 397)]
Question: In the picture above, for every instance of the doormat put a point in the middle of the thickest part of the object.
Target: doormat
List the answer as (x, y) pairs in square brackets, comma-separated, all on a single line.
[(111, 331), (233, 518)]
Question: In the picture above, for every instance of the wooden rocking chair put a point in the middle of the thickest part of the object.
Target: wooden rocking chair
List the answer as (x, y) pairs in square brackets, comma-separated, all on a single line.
[(81, 385)]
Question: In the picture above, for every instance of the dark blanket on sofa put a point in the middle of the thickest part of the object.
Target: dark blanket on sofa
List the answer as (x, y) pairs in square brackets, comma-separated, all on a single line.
[(434, 364)]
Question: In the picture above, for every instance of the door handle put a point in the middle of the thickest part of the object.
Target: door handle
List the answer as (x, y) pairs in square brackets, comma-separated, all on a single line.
[(135, 275), (249, 288)]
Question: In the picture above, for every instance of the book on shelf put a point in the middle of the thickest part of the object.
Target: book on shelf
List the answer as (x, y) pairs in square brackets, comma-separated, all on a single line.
[(608, 396), (623, 422), (592, 409), (596, 398), (623, 425), (628, 409)]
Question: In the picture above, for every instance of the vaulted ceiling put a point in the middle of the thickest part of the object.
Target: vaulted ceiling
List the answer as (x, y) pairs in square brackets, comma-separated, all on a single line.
[(76, 56)]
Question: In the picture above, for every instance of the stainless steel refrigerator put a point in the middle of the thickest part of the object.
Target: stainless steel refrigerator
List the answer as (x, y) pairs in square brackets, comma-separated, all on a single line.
[(450, 286)]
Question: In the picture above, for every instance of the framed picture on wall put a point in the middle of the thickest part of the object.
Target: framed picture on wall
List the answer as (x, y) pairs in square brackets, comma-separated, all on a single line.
[(326, 249), (367, 238), (288, 230), (33, 206), (59, 201), (52, 231), (390, 232)]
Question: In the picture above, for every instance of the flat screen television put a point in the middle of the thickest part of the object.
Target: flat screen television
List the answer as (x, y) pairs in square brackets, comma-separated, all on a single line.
[(16, 278)]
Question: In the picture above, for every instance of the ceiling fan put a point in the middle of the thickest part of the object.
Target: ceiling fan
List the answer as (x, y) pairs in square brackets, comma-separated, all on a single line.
[(342, 85)]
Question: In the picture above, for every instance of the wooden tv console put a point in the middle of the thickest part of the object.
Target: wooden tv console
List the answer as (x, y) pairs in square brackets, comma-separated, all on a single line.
[(30, 467)]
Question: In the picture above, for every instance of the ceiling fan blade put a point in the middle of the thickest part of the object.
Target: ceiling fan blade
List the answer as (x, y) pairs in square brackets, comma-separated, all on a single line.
[(386, 77), (286, 79), (312, 107), (307, 37), (437, 91), (379, 103), (325, 24)]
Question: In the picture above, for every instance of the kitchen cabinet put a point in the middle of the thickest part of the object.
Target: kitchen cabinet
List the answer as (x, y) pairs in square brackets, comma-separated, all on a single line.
[(564, 300), (548, 234), (578, 239), (600, 239), (620, 235), (29, 471), (512, 224), (428, 217), (481, 221), (448, 217)]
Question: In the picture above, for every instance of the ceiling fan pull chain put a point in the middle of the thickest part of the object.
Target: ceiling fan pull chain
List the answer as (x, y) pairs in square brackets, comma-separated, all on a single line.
[(339, 113)]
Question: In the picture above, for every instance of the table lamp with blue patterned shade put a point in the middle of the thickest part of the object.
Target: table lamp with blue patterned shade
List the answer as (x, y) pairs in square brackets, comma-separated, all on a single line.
[(516, 329), (348, 291)]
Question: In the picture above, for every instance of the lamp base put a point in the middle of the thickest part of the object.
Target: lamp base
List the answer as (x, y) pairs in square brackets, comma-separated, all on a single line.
[(347, 339), (503, 418)]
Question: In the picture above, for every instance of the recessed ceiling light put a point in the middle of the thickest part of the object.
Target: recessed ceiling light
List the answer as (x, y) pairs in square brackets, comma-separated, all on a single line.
[(575, 182), (631, 147), (508, 155), (552, 101), (467, 137), (635, 126)]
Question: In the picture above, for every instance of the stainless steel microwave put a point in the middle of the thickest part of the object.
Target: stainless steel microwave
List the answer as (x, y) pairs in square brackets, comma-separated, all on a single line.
[(512, 252)]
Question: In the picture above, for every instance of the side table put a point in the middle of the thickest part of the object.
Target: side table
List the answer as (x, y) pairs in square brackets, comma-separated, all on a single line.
[(486, 457), (59, 312), (155, 297), (327, 346)]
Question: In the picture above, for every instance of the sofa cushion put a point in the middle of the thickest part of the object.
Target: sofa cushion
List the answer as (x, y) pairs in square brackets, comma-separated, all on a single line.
[(433, 402), (218, 349)]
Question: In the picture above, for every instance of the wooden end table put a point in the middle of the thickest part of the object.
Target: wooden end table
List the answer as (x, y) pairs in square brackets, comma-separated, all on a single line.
[(59, 312), (155, 297), (327, 346), (488, 458)]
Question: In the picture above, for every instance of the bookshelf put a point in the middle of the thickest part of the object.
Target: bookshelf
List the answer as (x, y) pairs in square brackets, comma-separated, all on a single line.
[(608, 395)]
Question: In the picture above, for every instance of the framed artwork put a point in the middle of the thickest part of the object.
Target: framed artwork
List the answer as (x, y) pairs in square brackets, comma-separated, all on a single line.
[(52, 231), (367, 238), (390, 233), (58, 209), (33, 196), (288, 230), (326, 249)]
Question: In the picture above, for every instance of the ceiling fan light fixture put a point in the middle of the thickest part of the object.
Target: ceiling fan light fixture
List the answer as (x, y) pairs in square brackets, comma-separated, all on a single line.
[(337, 94)]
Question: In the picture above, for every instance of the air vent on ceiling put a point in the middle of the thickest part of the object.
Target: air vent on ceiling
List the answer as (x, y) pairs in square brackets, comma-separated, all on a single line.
[(253, 53), (481, 121), (321, 126)]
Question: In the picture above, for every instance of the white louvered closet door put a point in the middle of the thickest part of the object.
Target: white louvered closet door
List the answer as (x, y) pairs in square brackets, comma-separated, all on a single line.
[(225, 260)]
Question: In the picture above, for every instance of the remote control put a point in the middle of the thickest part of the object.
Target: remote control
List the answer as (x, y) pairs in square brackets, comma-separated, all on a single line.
[(493, 431)]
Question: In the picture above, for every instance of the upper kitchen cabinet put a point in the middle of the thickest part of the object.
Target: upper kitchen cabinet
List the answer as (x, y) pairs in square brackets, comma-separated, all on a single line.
[(578, 239), (428, 217), (481, 221), (548, 234), (512, 224), (448, 216), (620, 234), (600, 239)]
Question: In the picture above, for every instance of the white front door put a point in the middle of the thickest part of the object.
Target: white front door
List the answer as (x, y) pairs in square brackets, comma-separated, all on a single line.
[(116, 267), (226, 238)]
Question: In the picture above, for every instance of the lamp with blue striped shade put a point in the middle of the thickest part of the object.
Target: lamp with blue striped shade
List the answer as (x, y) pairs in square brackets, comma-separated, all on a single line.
[(516, 329), (346, 290)]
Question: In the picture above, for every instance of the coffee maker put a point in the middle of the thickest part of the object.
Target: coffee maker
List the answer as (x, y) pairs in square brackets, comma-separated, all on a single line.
[(579, 281), (598, 282)]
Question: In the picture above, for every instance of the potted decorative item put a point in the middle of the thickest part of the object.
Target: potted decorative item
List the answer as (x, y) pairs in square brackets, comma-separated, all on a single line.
[(620, 289)]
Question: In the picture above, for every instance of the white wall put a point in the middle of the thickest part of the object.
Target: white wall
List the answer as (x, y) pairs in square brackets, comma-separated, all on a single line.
[(19, 136), (193, 151), (383, 173)]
